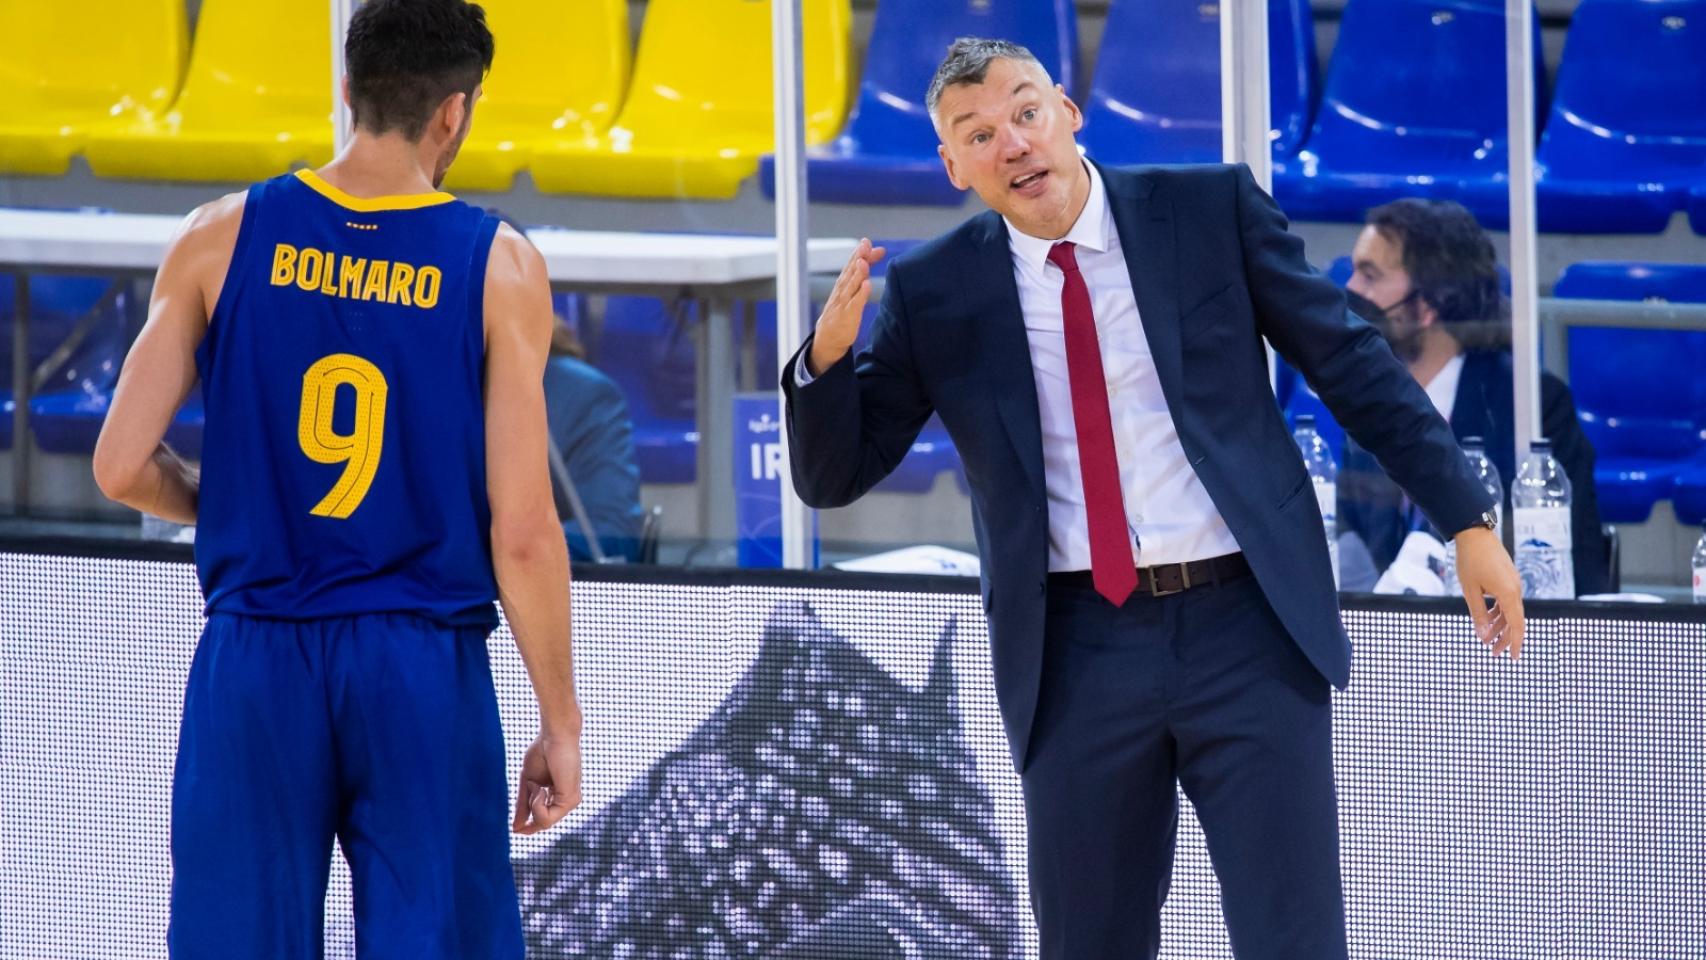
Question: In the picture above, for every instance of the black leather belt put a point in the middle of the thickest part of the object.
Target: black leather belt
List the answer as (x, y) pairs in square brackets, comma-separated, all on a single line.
[(1169, 578)]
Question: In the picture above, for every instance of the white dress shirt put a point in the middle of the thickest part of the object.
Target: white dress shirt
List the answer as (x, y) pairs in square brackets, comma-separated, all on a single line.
[(1169, 515), (1442, 389)]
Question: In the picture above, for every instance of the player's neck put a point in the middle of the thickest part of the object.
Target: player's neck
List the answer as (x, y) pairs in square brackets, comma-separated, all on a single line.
[(380, 166)]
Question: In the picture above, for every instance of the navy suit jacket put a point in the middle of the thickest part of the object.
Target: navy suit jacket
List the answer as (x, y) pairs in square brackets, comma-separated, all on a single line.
[(1370, 504), (1214, 270)]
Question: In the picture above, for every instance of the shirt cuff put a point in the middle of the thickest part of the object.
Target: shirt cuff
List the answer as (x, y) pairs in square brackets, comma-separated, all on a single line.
[(802, 376)]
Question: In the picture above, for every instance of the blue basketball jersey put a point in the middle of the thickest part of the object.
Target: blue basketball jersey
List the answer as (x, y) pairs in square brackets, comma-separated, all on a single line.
[(344, 459)]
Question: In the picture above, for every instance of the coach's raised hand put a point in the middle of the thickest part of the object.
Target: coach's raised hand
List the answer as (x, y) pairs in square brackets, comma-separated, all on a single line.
[(838, 325)]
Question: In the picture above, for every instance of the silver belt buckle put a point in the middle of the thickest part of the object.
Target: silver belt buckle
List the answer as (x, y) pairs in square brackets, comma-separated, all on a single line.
[(1184, 580)]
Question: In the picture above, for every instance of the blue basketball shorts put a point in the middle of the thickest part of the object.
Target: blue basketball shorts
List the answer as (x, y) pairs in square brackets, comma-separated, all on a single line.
[(380, 731)]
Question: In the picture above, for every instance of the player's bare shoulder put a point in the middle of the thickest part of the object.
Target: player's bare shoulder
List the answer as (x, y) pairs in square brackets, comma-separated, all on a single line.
[(518, 283), (201, 251)]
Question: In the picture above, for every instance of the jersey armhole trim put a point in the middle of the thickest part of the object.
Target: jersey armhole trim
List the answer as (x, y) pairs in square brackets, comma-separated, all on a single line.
[(239, 254)]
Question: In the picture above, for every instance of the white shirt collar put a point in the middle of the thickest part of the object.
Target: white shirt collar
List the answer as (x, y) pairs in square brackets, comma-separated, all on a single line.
[(1093, 229)]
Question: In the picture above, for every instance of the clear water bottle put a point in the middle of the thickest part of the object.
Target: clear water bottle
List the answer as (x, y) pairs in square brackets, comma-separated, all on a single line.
[(1324, 474), (1699, 565), (1540, 498), (1475, 449)]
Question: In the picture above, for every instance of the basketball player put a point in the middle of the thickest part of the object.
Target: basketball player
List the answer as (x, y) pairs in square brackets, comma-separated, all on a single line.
[(374, 476)]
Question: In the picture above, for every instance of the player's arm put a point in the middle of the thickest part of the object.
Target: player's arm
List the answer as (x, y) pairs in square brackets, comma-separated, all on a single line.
[(132, 465), (529, 553)]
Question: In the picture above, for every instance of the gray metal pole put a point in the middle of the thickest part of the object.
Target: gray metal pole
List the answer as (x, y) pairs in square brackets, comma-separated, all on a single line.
[(21, 396), (1525, 289), (341, 11), (1244, 121), (793, 298)]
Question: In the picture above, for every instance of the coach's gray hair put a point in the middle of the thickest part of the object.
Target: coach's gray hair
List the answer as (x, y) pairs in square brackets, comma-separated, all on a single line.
[(968, 61)]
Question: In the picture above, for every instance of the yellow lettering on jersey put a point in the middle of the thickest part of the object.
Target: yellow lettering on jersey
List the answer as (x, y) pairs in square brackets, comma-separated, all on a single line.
[(377, 273), (283, 265), (402, 276), (331, 274), (349, 276), (427, 283), (309, 266)]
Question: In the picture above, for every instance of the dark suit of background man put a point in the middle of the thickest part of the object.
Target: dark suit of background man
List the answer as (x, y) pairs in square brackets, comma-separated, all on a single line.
[(1093, 346), (1430, 280)]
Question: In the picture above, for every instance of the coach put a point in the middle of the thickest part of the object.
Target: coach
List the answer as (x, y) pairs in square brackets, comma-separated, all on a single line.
[(1160, 599)]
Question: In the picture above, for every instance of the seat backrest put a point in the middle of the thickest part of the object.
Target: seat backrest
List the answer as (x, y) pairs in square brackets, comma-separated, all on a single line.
[(1433, 68), (1156, 94), (908, 41), (1639, 375), (1602, 280), (562, 63), (702, 73), (1636, 69), (260, 58), (57, 305), (93, 55)]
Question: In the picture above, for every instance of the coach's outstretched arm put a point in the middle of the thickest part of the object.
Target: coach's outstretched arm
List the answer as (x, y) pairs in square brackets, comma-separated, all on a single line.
[(132, 464), (529, 554), (849, 428)]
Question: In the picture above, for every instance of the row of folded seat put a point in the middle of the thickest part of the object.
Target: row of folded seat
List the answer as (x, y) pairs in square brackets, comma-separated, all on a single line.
[(1412, 105), (1639, 393)]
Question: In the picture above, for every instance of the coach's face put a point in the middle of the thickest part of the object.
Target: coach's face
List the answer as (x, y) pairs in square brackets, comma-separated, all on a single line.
[(1010, 138)]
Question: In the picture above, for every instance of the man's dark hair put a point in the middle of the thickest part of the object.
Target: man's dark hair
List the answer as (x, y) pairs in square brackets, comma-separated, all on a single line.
[(1449, 258), (968, 61), (405, 57)]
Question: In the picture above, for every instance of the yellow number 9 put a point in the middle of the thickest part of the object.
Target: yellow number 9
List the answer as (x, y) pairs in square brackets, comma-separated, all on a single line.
[(360, 449)]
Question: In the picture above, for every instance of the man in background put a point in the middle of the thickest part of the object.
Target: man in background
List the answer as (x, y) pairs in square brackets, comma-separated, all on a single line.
[(1430, 276)]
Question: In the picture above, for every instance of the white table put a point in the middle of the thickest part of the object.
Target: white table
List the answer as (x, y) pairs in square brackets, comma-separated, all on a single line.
[(716, 270)]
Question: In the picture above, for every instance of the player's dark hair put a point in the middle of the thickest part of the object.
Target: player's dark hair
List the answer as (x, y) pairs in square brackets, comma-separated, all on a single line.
[(405, 57)]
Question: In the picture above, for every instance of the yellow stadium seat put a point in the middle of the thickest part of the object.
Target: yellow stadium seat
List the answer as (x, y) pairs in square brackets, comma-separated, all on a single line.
[(561, 70), (258, 100), (699, 113), (72, 67)]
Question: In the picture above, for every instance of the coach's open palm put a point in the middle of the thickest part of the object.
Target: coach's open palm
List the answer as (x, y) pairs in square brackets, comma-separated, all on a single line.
[(550, 783), (838, 325)]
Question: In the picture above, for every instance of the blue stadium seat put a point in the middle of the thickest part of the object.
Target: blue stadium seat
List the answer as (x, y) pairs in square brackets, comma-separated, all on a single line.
[(887, 154), (1340, 270), (1156, 94), (1414, 106), (1640, 394), (1627, 134), (1697, 209), (647, 347), (57, 305)]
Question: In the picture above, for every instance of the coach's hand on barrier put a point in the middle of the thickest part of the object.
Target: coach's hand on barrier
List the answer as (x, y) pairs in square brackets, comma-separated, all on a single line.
[(838, 326), (550, 782), (1485, 570)]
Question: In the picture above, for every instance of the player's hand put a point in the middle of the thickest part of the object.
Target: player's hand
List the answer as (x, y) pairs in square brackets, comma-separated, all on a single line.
[(1485, 570), (838, 325), (550, 782)]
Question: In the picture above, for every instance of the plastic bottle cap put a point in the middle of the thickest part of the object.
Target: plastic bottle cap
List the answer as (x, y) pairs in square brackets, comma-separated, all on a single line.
[(1305, 420), (1540, 446)]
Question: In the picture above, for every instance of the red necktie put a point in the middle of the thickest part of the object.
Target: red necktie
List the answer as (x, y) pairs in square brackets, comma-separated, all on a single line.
[(1112, 568)]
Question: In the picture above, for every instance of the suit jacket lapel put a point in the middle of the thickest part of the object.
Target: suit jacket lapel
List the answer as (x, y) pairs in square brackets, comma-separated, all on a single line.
[(1146, 229), (992, 294)]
